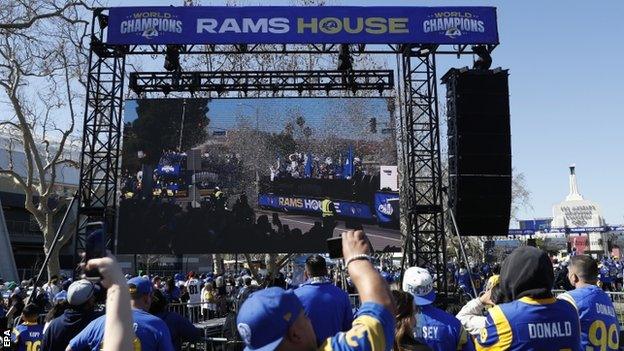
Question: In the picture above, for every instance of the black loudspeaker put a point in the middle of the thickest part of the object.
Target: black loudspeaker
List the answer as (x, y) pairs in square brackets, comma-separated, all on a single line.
[(479, 148)]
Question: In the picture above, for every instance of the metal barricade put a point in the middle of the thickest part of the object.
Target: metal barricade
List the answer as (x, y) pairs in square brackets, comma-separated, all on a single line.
[(191, 311), (618, 303), (214, 344), (212, 328)]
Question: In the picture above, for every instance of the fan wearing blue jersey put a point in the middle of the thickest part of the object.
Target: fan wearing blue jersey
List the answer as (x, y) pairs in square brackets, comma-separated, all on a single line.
[(436, 328), (600, 329), (27, 335), (274, 319), (606, 280), (534, 320)]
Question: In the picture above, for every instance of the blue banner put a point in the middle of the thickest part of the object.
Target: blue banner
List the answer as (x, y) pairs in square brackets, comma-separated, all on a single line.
[(302, 25), (566, 230), (307, 172), (521, 231), (536, 224), (312, 205), (387, 207)]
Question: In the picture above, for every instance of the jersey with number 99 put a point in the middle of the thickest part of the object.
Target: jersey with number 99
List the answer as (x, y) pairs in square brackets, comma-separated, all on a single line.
[(600, 329)]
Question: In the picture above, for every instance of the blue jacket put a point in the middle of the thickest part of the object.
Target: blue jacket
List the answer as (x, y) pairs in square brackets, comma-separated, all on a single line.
[(63, 328)]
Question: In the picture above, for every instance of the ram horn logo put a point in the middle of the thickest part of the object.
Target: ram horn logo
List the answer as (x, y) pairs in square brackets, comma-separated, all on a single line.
[(330, 25), (453, 32), (149, 33)]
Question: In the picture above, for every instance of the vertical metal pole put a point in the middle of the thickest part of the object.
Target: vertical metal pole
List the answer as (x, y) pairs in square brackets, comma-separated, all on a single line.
[(463, 251), (136, 266), (182, 125)]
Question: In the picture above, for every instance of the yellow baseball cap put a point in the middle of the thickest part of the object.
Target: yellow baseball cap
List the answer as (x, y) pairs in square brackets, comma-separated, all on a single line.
[(492, 282)]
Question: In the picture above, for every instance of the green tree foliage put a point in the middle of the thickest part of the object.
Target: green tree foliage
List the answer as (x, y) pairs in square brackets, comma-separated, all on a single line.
[(157, 129)]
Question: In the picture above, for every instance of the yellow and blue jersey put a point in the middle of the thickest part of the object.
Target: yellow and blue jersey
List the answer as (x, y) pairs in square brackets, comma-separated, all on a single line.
[(600, 329), (440, 330), (531, 324), (27, 337), (372, 330)]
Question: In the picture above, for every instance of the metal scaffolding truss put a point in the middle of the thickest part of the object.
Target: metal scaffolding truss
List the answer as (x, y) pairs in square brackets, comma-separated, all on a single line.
[(422, 175), (101, 140), (419, 142), (219, 82), (285, 49)]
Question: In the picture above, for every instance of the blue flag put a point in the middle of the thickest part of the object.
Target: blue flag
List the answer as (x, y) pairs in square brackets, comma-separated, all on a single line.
[(308, 166), (347, 168)]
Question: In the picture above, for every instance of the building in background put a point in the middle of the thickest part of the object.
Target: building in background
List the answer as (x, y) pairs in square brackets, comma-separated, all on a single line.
[(24, 234), (576, 212), (577, 224)]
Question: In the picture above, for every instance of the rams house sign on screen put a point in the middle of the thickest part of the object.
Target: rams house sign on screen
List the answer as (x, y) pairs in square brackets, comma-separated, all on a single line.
[(305, 25)]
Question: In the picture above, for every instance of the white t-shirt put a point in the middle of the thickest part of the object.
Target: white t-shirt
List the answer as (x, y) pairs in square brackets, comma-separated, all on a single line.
[(193, 287), (51, 290)]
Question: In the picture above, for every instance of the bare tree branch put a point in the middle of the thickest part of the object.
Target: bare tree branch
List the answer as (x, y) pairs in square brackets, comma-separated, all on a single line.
[(57, 13)]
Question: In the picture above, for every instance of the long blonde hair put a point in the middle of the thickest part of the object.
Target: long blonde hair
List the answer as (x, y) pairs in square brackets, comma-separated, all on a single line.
[(404, 334)]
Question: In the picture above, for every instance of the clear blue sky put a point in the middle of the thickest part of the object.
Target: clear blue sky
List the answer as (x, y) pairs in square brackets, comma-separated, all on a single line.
[(565, 61)]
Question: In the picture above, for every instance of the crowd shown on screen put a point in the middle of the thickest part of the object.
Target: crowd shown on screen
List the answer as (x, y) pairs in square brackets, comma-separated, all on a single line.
[(520, 307)]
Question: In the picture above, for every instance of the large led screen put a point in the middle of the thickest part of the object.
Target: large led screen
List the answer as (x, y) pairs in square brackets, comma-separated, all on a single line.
[(256, 175)]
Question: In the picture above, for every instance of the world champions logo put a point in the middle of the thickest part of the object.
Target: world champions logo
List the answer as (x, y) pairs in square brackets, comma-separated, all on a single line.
[(151, 24), (453, 24)]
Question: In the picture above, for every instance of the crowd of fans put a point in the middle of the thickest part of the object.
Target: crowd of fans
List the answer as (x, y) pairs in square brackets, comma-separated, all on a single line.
[(153, 222), (171, 175), (516, 309), (306, 165)]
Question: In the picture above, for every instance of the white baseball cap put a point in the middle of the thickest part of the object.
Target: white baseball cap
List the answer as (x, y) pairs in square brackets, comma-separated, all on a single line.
[(418, 282)]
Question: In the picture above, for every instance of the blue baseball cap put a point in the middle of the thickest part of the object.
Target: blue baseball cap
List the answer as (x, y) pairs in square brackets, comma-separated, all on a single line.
[(266, 316), (140, 286), (60, 296)]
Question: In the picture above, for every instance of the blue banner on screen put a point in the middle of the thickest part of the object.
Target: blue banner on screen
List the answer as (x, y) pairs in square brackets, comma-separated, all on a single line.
[(168, 170), (387, 207), (306, 204), (521, 231), (304, 25)]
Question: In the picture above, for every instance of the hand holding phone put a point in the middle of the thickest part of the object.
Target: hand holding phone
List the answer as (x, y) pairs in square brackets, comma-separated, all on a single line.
[(95, 247)]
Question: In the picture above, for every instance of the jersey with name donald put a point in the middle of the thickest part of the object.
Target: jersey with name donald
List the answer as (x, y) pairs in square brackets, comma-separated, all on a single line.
[(531, 325)]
